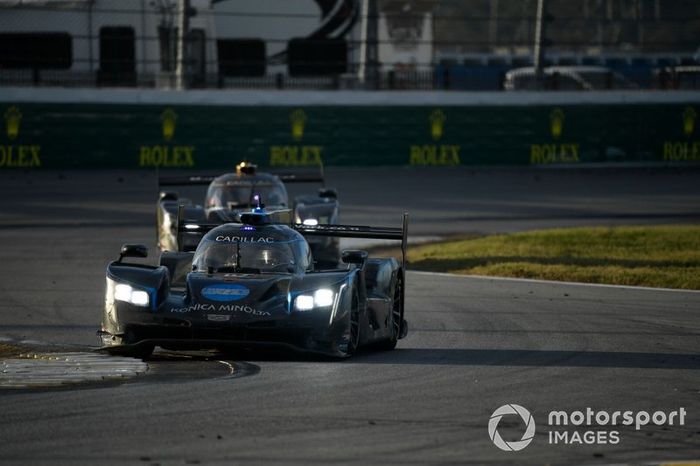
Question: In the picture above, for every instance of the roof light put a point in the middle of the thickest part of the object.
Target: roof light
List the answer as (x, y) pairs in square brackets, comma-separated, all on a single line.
[(259, 206), (246, 168)]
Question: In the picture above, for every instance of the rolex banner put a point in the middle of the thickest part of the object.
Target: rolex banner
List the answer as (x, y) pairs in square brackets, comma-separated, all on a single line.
[(46, 136)]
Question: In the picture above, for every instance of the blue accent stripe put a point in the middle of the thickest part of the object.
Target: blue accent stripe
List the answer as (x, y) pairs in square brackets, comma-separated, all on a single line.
[(152, 295)]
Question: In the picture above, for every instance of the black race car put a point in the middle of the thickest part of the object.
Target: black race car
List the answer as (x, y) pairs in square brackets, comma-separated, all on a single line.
[(231, 194), (255, 284)]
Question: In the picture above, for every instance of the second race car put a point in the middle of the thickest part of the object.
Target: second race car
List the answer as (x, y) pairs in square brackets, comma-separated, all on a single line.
[(231, 194)]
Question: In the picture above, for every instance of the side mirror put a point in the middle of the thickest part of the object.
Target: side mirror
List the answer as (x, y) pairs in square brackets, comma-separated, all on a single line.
[(329, 193), (354, 256), (133, 250)]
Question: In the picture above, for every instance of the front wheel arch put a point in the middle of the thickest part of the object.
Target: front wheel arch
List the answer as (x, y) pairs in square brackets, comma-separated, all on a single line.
[(349, 342), (397, 312)]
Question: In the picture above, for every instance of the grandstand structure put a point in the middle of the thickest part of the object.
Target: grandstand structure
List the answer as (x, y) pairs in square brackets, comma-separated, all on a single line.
[(343, 44)]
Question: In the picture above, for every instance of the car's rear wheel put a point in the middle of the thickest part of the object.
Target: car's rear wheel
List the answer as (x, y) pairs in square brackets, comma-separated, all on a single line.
[(395, 318)]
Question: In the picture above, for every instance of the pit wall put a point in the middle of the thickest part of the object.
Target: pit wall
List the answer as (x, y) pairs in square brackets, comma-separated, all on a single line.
[(63, 128)]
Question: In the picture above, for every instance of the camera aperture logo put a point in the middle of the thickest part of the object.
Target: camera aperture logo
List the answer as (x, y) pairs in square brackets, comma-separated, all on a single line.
[(584, 427), (529, 427)]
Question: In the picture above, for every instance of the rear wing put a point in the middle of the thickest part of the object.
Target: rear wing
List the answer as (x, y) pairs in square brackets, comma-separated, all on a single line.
[(339, 231), (195, 227), (185, 227), (357, 231), (301, 177), (186, 180)]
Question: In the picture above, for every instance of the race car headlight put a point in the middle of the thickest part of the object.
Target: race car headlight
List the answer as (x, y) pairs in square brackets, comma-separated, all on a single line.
[(310, 222), (304, 302), (127, 294), (321, 298)]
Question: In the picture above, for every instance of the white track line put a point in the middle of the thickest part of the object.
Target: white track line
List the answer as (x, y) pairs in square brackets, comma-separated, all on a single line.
[(230, 366), (552, 282)]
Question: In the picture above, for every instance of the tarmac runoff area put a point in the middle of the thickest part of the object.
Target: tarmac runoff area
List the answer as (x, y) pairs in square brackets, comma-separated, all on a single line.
[(474, 344), (44, 370)]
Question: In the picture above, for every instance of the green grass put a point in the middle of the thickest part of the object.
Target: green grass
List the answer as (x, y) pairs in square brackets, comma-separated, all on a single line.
[(659, 256)]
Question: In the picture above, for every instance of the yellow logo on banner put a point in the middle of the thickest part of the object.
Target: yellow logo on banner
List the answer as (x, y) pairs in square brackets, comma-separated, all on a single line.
[(13, 118), (167, 155), (296, 155), (435, 154), (689, 117), (555, 152), (684, 151), (556, 122), (297, 119), (17, 156), (169, 118), (437, 124)]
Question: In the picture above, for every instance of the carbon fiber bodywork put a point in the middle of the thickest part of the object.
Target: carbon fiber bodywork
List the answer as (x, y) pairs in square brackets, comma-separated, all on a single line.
[(186, 309)]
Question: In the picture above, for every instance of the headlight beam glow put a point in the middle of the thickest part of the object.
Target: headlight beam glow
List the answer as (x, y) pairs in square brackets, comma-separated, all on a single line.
[(124, 292), (323, 297), (304, 302)]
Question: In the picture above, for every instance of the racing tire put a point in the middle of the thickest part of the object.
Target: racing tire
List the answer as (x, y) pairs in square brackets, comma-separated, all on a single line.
[(395, 320)]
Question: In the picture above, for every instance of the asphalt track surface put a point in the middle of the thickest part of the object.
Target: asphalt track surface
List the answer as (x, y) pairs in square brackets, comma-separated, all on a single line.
[(474, 344)]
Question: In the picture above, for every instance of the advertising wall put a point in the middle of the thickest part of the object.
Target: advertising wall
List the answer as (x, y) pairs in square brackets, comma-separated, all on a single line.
[(50, 133)]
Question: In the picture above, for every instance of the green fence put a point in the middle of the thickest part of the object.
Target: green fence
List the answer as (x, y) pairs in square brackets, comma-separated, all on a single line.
[(59, 135)]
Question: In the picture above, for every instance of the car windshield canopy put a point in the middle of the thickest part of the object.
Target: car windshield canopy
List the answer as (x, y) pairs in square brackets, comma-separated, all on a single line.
[(239, 194), (240, 253)]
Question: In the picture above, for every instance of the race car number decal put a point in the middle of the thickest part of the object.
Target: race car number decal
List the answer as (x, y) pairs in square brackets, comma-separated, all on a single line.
[(225, 292)]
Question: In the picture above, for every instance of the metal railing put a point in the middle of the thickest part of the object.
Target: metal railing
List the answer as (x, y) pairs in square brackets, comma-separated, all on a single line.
[(472, 46)]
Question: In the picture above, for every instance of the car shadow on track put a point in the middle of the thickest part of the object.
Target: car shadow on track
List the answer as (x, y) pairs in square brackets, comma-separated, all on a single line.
[(537, 358), (460, 357)]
